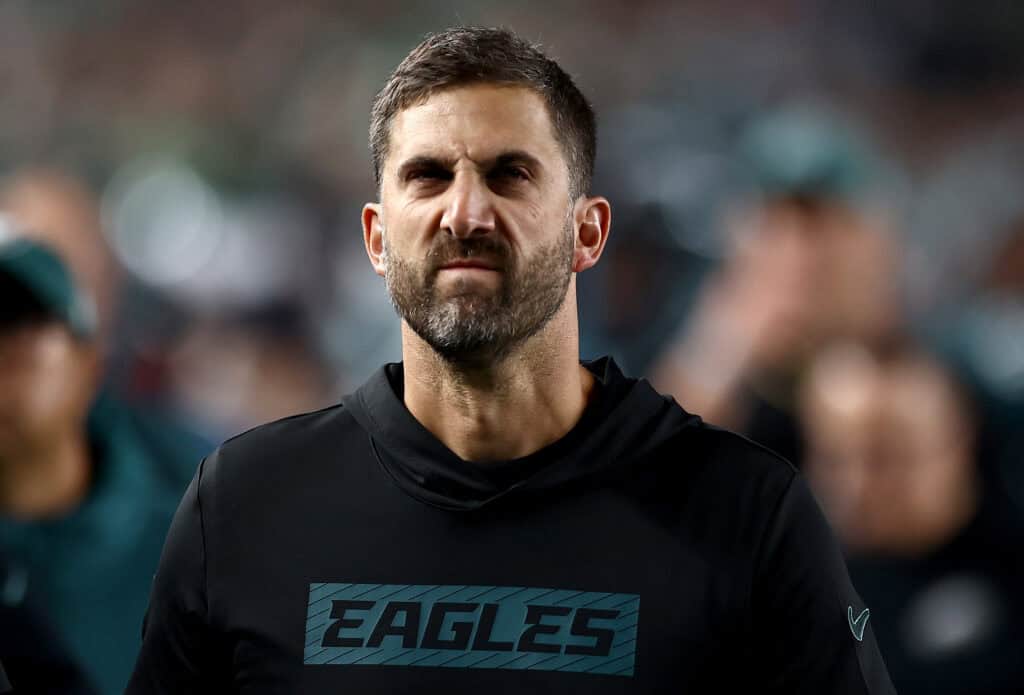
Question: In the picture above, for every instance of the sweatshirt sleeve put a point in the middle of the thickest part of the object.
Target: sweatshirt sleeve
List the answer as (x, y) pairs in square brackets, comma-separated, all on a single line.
[(812, 630), (179, 653)]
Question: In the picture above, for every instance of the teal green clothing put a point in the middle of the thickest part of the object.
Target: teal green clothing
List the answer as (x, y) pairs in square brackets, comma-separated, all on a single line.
[(92, 570)]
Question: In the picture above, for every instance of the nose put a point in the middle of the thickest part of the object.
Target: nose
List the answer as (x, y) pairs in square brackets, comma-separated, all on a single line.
[(469, 208)]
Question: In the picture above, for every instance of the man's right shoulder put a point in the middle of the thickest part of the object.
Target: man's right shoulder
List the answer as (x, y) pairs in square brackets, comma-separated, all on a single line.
[(307, 438)]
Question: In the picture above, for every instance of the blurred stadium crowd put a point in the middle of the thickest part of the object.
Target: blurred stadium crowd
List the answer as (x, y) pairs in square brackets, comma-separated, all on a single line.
[(818, 240)]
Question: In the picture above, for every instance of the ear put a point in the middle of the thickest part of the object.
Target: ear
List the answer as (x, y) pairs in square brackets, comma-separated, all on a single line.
[(593, 219), (373, 236)]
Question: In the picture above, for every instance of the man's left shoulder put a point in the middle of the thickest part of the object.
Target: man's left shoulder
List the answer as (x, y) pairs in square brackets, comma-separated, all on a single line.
[(726, 463)]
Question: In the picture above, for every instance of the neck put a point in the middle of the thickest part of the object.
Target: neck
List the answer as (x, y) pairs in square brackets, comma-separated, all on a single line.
[(506, 409), (48, 482)]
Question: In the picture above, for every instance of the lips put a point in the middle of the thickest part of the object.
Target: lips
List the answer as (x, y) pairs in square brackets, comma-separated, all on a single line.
[(469, 263)]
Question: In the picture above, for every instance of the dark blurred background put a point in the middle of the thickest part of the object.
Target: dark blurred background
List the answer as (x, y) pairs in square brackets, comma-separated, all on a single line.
[(818, 240)]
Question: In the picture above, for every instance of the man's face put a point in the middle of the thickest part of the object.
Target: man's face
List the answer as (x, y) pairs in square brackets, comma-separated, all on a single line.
[(478, 233)]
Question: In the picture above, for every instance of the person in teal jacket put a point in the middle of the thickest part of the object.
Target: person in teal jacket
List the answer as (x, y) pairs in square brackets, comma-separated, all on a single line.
[(88, 485)]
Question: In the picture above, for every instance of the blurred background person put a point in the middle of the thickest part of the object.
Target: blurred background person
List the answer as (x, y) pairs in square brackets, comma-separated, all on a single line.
[(237, 371), (973, 287), (808, 263), (934, 552), (87, 487), (58, 210)]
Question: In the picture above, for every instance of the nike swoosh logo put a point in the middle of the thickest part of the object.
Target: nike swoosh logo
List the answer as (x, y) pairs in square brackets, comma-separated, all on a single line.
[(857, 626)]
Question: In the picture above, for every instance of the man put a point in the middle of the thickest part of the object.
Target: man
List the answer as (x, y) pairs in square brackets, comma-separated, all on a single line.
[(87, 488), (490, 514)]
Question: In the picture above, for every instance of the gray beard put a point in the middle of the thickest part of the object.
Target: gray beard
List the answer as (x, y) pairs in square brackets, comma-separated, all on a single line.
[(474, 325)]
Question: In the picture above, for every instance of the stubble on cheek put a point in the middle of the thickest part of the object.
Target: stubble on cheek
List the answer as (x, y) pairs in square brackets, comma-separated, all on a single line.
[(445, 313), (468, 319)]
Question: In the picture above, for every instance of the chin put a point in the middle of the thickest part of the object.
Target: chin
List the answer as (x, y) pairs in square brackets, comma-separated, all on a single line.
[(468, 345)]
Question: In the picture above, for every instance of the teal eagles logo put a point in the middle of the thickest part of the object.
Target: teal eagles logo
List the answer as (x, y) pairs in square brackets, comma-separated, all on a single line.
[(506, 627)]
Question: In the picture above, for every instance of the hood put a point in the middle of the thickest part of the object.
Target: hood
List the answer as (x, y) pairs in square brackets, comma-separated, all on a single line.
[(623, 422)]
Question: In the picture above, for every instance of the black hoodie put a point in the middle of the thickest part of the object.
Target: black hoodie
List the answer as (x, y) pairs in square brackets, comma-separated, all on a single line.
[(349, 550)]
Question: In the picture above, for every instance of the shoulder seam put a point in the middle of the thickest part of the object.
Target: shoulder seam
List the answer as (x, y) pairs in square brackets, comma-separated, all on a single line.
[(756, 445), (282, 420), (202, 536), (773, 519)]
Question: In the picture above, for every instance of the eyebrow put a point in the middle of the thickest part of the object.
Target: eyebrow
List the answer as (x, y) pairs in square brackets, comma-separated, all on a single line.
[(447, 163)]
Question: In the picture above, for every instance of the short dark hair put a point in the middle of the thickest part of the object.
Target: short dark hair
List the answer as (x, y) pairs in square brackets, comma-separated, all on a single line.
[(468, 55)]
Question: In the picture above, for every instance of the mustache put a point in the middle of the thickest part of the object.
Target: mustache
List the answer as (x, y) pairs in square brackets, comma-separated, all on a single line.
[(446, 249)]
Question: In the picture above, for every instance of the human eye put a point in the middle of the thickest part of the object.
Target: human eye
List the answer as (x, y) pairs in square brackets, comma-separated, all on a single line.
[(427, 174), (517, 172), (511, 172), (424, 182)]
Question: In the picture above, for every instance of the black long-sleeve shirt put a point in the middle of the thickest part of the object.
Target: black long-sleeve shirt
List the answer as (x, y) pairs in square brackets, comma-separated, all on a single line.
[(348, 550)]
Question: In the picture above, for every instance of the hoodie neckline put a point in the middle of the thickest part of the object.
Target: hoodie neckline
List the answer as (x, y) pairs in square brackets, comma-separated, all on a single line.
[(428, 470)]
